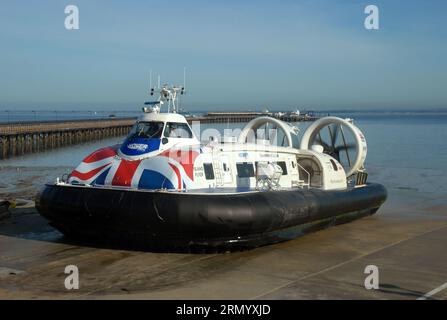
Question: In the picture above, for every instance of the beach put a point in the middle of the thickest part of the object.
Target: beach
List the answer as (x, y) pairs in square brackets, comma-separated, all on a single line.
[(405, 240)]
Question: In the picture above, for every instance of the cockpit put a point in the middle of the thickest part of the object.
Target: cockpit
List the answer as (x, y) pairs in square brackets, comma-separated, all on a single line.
[(149, 135), (177, 130), (149, 130), (154, 129)]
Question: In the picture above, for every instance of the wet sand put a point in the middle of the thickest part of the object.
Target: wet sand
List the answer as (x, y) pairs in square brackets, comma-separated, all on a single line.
[(405, 240), (25, 182)]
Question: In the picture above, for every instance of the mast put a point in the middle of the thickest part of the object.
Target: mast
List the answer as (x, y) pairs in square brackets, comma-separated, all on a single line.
[(167, 93)]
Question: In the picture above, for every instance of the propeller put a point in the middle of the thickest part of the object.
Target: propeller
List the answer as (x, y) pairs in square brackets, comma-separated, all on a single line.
[(339, 138), (332, 148)]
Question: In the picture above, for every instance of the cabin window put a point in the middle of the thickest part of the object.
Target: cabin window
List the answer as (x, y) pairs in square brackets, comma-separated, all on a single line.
[(143, 129), (283, 166), (334, 165), (245, 170), (177, 130), (209, 171), (225, 167)]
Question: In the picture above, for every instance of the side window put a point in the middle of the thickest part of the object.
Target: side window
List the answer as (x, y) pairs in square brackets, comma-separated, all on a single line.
[(283, 166), (245, 170), (334, 165), (209, 172), (177, 130)]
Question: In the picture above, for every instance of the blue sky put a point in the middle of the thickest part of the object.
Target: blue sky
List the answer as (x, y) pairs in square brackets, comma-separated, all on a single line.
[(311, 54)]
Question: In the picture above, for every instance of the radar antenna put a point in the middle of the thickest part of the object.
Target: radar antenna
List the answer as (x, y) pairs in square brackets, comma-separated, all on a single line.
[(167, 94)]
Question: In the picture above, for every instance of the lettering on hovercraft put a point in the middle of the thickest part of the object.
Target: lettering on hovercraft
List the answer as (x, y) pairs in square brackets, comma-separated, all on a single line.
[(137, 146), (198, 172), (269, 155)]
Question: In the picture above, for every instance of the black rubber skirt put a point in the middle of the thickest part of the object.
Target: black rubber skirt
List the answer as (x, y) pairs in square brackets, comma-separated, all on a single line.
[(171, 220)]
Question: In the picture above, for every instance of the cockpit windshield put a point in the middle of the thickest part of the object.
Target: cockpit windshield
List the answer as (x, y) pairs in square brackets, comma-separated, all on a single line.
[(151, 129), (177, 130)]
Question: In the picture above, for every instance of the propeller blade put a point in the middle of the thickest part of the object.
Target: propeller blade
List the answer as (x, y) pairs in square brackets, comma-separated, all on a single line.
[(346, 146), (336, 131), (333, 133), (331, 136), (321, 142), (336, 155), (351, 146)]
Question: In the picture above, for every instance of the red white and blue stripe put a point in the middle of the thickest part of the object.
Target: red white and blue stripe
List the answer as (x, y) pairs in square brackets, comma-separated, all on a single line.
[(171, 169)]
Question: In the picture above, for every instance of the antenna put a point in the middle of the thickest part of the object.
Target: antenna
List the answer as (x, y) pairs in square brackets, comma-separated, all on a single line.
[(150, 79), (184, 78), (158, 81)]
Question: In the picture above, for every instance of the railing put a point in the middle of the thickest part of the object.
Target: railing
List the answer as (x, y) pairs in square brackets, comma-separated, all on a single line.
[(217, 165), (304, 184), (51, 126)]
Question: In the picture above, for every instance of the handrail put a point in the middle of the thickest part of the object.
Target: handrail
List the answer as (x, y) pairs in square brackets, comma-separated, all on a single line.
[(217, 168), (308, 174), (30, 127)]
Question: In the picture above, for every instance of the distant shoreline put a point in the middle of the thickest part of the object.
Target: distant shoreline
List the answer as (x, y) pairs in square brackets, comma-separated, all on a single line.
[(20, 116)]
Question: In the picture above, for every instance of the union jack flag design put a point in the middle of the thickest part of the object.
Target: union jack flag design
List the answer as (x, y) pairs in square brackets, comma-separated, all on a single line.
[(171, 169)]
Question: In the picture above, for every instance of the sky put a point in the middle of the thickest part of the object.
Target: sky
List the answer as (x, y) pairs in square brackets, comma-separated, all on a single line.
[(239, 55)]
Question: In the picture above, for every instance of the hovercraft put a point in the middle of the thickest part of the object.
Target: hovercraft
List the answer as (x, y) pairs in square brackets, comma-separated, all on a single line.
[(164, 188)]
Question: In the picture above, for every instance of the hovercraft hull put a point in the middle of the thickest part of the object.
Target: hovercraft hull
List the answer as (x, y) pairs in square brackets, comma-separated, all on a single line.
[(174, 220)]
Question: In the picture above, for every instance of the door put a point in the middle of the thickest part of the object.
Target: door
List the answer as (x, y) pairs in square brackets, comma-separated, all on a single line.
[(226, 170)]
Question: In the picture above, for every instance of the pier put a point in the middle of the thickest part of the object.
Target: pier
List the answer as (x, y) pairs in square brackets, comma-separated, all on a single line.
[(29, 137), (241, 117)]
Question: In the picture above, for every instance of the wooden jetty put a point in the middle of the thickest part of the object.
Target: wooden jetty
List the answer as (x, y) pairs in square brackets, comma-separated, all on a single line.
[(29, 137)]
